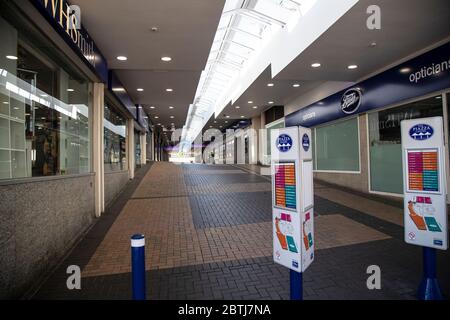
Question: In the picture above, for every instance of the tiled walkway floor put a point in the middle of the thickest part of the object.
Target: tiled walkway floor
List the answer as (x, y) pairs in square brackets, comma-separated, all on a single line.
[(208, 234)]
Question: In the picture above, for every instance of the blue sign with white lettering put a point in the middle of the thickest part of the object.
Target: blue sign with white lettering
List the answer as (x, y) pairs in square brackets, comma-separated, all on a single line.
[(284, 143), (305, 142), (421, 132), (419, 76)]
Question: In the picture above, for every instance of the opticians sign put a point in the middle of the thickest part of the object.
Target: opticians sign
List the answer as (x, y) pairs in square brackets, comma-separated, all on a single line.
[(425, 74)]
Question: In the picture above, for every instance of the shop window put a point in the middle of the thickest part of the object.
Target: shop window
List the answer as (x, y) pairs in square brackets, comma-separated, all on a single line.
[(269, 127), (115, 158), (386, 174), (337, 146), (44, 110)]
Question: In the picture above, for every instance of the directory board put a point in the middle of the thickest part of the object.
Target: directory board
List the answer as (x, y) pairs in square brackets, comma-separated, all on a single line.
[(425, 206), (292, 198)]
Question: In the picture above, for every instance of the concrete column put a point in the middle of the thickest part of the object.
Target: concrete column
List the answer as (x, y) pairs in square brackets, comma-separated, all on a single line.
[(98, 165), (130, 147)]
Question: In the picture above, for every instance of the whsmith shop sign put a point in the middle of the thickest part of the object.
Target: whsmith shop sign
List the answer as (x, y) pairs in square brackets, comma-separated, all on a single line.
[(422, 75), (66, 20)]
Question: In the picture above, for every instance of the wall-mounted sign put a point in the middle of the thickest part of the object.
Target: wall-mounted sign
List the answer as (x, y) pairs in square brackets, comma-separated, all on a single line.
[(422, 75), (351, 100), (64, 20), (425, 206), (292, 199)]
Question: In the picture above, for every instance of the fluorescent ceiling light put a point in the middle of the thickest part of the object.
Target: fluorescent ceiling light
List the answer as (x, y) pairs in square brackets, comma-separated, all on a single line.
[(316, 65), (166, 59), (118, 89), (11, 57), (122, 58), (352, 66)]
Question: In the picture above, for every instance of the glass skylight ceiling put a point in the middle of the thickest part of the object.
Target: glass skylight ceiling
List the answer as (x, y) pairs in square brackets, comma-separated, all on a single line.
[(244, 27)]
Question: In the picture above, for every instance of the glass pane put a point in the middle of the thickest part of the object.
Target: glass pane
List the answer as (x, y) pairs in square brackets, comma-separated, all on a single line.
[(114, 141), (44, 110), (337, 146), (386, 174), (270, 127)]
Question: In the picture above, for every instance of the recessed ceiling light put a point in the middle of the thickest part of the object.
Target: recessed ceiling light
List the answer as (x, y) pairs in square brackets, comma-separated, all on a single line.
[(373, 44), (352, 66), (210, 126), (43, 118), (169, 90), (122, 58), (226, 121), (237, 107), (166, 59), (139, 89), (296, 85), (156, 117), (215, 121), (250, 101), (5, 102), (405, 70), (118, 89), (159, 124), (227, 116), (16, 108), (315, 65), (152, 107), (438, 97), (220, 126), (255, 107), (270, 102), (44, 95), (270, 84), (242, 117), (70, 90), (171, 117), (11, 57), (170, 107)]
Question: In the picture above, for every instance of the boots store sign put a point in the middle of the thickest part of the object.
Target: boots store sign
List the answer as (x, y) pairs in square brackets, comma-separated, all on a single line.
[(422, 75), (66, 20)]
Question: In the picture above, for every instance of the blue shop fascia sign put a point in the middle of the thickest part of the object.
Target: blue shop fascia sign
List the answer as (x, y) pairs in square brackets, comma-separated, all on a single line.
[(427, 73), (57, 13)]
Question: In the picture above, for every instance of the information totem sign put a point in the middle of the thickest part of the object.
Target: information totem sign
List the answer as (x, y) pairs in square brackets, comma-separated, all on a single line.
[(424, 182), (292, 197)]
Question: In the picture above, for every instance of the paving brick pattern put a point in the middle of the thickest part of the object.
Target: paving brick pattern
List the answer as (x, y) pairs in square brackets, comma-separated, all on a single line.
[(227, 209), (209, 236)]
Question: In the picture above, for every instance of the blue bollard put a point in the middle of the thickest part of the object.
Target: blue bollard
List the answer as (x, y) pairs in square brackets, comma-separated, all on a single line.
[(429, 287), (296, 285), (138, 266)]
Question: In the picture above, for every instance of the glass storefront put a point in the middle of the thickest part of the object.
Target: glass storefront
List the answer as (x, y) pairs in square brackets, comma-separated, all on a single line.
[(115, 129), (336, 146), (273, 125), (44, 108), (137, 155), (385, 142)]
